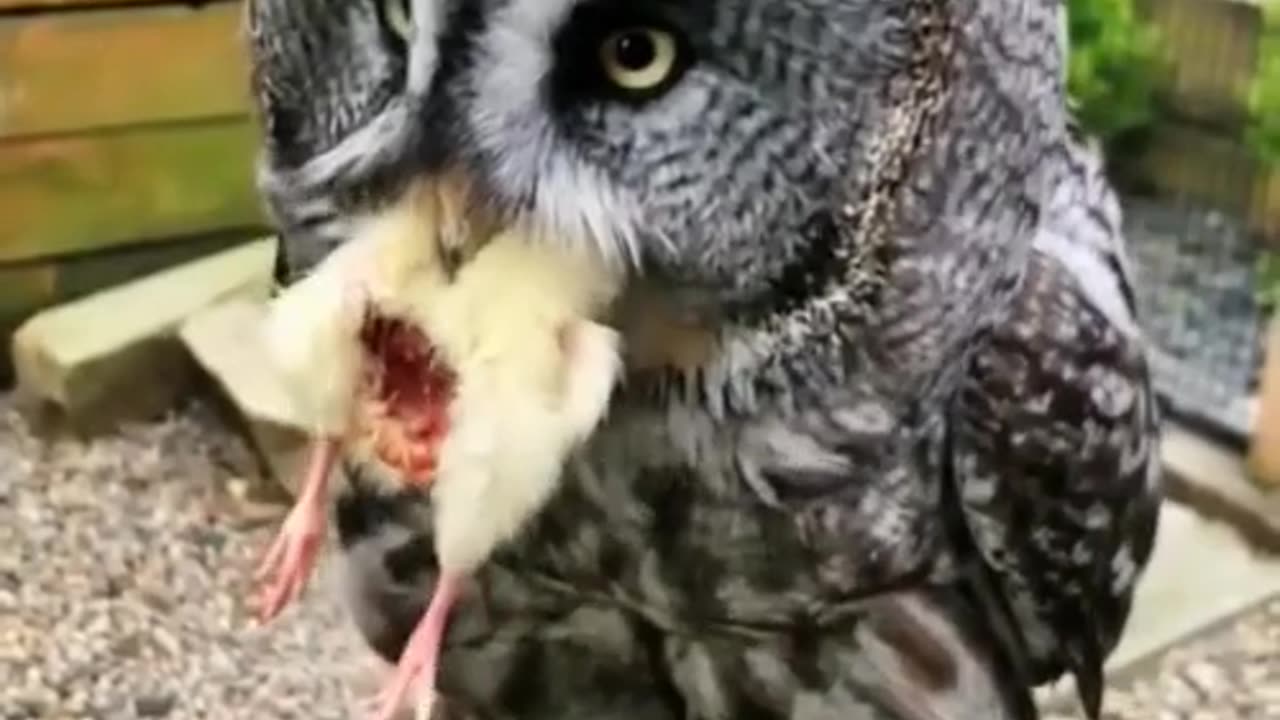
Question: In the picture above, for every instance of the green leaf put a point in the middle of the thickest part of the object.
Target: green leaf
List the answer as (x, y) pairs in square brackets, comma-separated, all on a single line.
[(1113, 66)]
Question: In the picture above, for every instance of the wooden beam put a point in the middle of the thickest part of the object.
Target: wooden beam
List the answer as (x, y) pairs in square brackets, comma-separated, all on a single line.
[(13, 5), (1211, 53), (25, 286), (31, 287), (67, 72), (82, 193), (1264, 448), (1185, 161), (116, 353), (1265, 219), (21, 288)]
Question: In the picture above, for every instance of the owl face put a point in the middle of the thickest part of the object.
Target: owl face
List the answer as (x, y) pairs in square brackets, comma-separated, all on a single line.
[(693, 140)]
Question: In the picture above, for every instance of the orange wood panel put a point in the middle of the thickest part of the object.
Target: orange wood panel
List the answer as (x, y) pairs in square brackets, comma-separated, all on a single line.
[(62, 72)]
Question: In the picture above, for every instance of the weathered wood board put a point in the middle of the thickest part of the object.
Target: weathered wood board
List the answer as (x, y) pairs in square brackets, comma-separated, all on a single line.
[(30, 287), (1185, 161), (1266, 208), (1264, 451), (10, 5), (23, 289), (63, 72), (1211, 47), (85, 192), (116, 353)]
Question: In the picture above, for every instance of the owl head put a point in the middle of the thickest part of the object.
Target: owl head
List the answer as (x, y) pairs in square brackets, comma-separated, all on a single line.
[(747, 148)]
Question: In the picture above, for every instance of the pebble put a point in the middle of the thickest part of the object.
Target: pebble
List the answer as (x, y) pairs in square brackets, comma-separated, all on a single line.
[(123, 574), (1215, 676), (123, 578)]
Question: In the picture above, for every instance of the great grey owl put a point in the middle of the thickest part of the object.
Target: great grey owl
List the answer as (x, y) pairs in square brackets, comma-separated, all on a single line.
[(887, 445)]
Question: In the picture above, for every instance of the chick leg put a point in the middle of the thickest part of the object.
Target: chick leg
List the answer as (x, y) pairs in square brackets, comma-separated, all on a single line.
[(289, 562), (292, 556), (421, 656)]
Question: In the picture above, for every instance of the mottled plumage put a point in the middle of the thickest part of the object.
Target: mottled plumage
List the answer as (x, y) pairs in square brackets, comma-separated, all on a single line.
[(886, 446)]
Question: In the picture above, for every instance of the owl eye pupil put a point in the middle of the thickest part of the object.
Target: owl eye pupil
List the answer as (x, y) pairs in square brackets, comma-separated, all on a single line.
[(635, 50)]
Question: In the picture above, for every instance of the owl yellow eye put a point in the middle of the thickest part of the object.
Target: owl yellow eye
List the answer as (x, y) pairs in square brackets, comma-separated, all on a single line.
[(399, 17), (638, 59)]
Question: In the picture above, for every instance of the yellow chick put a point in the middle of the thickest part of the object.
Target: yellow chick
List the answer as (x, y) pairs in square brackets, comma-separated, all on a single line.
[(480, 381)]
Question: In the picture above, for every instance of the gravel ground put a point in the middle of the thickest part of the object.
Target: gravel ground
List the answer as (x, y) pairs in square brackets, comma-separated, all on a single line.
[(123, 569), (1232, 673), (124, 563)]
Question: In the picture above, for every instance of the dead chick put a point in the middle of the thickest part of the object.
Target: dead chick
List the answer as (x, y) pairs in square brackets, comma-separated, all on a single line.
[(480, 382)]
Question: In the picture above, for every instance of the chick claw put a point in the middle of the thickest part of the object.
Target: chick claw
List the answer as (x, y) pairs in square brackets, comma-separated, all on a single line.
[(292, 556), (290, 560), (420, 658)]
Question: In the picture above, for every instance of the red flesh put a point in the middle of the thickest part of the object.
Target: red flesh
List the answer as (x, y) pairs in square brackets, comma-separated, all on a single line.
[(407, 389), (403, 403)]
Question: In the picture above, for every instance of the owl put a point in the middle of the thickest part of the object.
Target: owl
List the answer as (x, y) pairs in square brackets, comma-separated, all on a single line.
[(886, 445)]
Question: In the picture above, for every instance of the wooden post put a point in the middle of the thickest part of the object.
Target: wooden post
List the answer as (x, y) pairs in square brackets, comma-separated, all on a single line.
[(1264, 450)]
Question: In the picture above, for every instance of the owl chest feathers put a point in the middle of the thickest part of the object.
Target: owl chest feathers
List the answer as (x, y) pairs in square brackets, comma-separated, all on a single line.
[(748, 520)]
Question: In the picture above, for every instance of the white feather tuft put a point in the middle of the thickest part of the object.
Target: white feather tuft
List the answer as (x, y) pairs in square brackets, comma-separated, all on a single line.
[(309, 332), (535, 377)]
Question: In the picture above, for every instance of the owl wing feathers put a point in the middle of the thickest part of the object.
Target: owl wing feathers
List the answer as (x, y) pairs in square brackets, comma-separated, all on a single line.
[(1055, 443)]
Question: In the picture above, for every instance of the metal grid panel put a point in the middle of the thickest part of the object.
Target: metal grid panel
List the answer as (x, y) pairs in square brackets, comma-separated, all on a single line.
[(1196, 273)]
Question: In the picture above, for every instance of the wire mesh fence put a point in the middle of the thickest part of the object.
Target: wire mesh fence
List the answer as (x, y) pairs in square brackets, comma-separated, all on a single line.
[(1196, 231), (1196, 293)]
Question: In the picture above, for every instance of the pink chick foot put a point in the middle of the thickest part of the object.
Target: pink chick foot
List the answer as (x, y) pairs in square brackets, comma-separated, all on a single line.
[(292, 556), (421, 657)]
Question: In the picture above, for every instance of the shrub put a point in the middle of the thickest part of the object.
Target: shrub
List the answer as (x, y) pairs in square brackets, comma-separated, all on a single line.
[(1264, 97), (1113, 68), (1268, 281)]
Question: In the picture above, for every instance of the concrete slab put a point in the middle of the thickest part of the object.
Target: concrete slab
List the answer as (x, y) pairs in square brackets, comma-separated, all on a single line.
[(1214, 480), (1200, 575)]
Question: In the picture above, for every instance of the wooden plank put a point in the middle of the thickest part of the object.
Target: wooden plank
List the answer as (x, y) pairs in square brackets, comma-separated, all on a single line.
[(116, 353), (24, 286), (21, 288), (64, 72), (80, 275), (75, 194), (1211, 49), (1265, 219), (31, 287), (1187, 162), (1264, 448), (11, 5)]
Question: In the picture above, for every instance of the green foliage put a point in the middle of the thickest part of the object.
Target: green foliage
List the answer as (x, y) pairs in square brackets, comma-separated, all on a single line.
[(1264, 96), (1113, 68), (1268, 281)]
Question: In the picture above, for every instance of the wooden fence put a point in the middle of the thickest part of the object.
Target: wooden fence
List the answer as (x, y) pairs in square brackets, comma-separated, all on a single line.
[(1198, 150), (125, 143)]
